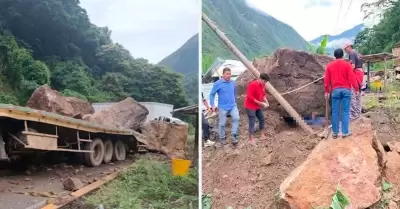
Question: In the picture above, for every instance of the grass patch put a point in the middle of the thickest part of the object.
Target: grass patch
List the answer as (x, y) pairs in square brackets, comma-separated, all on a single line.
[(149, 184), (392, 102)]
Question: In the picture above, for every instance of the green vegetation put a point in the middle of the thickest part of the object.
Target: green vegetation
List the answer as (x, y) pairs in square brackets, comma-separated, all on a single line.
[(53, 42), (252, 31), (149, 184), (339, 201), (386, 34), (321, 49)]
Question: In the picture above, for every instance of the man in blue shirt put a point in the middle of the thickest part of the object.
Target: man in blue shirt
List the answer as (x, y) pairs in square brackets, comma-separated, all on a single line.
[(225, 88)]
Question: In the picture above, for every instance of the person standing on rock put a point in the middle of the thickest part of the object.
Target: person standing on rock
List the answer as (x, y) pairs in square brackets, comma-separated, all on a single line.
[(225, 88), (255, 101), (357, 64), (205, 126), (339, 80)]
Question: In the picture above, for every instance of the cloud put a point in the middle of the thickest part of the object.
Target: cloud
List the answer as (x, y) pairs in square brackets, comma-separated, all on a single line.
[(314, 3), (339, 43), (313, 18), (150, 29)]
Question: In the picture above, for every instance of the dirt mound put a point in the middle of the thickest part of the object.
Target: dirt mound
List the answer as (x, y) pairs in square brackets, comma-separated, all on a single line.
[(166, 137), (47, 99), (288, 70), (250, 176), (128, 114), (351, 163)]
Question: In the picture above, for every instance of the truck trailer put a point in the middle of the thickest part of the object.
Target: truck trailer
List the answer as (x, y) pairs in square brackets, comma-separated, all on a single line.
[(25, 131)]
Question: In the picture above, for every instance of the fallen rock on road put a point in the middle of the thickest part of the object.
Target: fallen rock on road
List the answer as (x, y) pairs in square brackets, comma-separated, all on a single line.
[(166, 137), (49, 100), (127, 113), (351, 163), (72, 184)]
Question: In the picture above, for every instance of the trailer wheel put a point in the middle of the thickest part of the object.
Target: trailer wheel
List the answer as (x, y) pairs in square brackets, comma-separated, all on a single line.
[(108, 151), (119, 153), (95, 158)]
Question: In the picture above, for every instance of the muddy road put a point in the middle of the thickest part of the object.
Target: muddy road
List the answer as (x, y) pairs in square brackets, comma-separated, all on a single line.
[(36, 184)]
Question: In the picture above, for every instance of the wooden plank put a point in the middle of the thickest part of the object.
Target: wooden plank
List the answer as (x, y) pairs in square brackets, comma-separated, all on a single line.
[(292, 112), (85, 190)]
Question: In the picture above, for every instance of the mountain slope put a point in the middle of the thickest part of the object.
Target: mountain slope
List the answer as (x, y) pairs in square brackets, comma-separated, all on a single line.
[(252, 31), (185, 60), (337, 41)]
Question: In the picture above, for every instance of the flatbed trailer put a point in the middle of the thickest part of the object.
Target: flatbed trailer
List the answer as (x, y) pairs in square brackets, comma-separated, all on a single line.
[(25, 130)]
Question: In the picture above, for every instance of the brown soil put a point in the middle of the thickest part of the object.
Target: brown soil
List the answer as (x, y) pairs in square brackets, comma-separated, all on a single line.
[(250, 176)]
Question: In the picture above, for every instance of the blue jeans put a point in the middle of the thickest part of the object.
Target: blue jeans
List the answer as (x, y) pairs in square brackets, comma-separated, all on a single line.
[(253, 114), (341, 98), (234, 113)]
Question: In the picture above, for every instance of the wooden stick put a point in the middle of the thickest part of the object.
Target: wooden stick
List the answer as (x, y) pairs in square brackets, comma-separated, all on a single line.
[(256, 74)]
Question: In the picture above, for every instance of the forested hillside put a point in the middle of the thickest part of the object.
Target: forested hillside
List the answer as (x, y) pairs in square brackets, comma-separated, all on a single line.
[(252, 31), (53, 42), (185, 60), (384, 35)]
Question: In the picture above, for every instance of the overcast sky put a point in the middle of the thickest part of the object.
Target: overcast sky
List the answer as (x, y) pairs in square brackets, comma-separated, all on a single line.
[(150, 29), (313, 18)]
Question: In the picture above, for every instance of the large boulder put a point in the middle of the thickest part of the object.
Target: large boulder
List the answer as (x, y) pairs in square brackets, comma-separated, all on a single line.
[(167, 137), (351, 163), (127, 113), (288, 70), (49, 100)]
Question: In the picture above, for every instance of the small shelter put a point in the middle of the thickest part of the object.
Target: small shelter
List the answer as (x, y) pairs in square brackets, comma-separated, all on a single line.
[(373, 58), (192, 110)]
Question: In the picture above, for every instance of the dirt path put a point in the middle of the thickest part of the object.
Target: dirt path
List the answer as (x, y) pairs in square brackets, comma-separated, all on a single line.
[(250, 176), (20, 190)]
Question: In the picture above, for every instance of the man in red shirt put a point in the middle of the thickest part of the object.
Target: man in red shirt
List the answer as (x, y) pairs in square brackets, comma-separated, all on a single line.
[(357, 65), (256, 100), (340, 79)]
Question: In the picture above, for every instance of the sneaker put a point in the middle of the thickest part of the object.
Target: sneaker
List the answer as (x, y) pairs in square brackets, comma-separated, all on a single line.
[(222, 141), (252, 141), (235, 139), (209, 143), (346, 135), (334, 136)]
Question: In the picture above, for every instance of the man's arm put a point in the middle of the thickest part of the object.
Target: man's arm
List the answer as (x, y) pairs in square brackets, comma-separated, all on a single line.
[(327, 80), (352, 78), (353, 59), (214, 90), (206, 104)]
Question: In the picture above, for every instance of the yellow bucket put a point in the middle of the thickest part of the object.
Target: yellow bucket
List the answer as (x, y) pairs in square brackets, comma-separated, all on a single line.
[(180, 167), (378, 84)]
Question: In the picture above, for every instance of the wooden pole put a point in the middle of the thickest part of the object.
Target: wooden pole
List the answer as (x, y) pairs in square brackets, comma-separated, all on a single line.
[(256, 74), (385, 76), (368, 75), (195, 161)]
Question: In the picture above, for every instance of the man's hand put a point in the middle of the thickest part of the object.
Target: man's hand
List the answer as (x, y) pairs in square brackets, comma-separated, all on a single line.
[(326, 95), (357, 93), (265, 105)]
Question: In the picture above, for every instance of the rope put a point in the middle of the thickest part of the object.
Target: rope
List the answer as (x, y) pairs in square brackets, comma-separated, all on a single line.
[(301, 87)]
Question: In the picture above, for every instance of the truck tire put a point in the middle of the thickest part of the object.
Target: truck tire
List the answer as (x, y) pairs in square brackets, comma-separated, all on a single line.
[(108, 151), (95, 158), (119, 153)]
